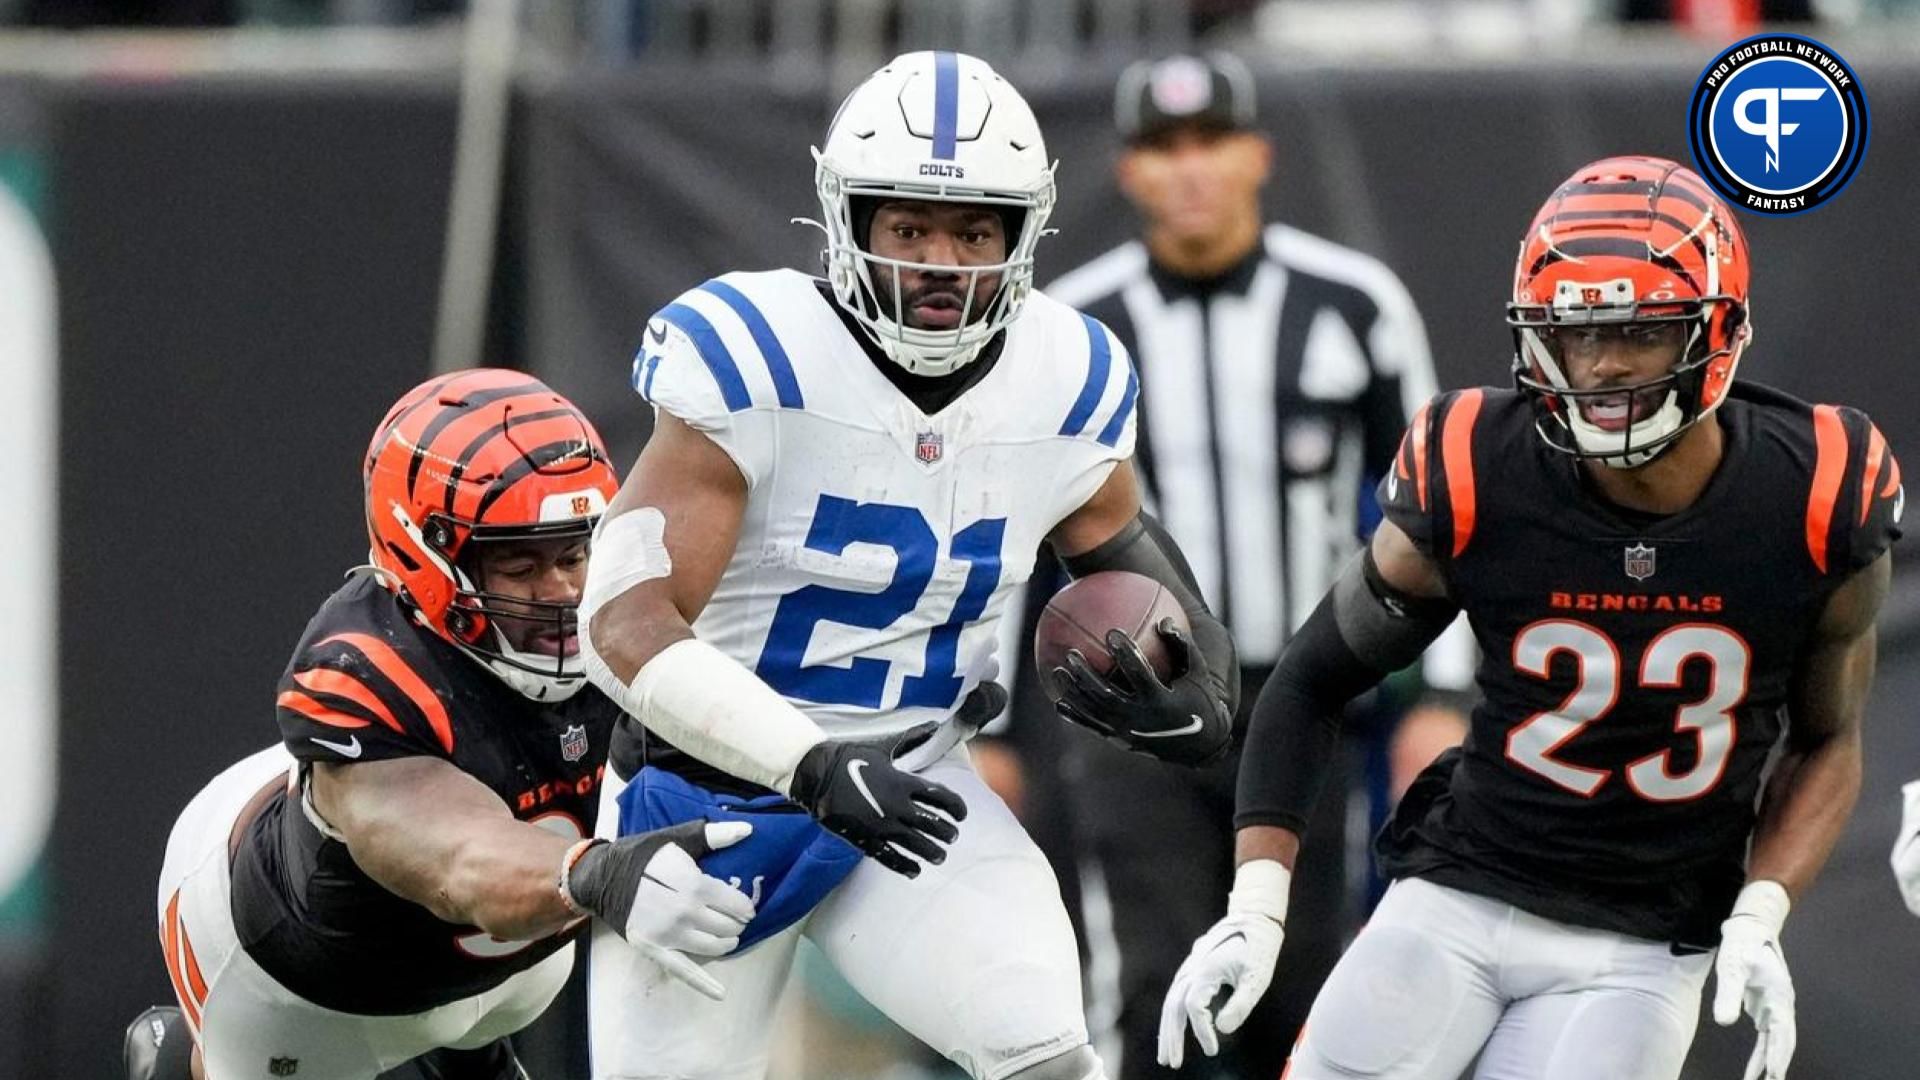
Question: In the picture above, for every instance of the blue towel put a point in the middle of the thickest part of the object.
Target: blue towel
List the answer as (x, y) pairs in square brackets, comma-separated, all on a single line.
[(787, 866)]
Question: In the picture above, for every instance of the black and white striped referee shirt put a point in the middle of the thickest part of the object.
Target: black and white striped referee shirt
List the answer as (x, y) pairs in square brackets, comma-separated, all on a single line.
[(1271, 397)]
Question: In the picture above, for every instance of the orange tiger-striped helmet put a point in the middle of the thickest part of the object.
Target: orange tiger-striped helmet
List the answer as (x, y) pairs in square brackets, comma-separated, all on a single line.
[(1636, 246), (481, 455)]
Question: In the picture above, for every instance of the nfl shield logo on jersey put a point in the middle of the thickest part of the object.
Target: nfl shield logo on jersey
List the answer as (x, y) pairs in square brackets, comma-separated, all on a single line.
[(573, 742), (926, 447), (1640, 562)]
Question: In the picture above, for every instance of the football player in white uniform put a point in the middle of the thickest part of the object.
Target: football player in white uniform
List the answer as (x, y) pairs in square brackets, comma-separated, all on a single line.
[(796, 595)]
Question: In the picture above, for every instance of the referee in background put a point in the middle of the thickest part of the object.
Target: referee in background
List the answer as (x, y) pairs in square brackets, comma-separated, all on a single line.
[(1277, 371)]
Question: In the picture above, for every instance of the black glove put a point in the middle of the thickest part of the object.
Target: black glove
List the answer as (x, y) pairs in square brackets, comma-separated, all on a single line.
[(855, 790), (649, 887), (1186, 722)]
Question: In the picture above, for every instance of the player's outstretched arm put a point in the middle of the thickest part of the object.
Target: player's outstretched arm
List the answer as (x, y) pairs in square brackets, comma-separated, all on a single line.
[(1190, 720), (431, 833), (657, 558), (1807, 802), (1386, 608)]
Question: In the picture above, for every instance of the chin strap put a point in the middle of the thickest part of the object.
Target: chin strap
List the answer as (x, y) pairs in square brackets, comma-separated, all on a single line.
[(536, 686)]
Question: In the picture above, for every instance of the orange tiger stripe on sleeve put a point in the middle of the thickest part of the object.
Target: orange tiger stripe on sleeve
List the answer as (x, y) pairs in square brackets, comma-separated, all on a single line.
[(1456, 452), (1876, 457), (341, 684), (315, 711), (409, 681), (1829, 467)]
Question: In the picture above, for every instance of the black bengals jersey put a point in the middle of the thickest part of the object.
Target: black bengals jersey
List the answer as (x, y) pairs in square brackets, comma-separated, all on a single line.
[(365, 684), (1635, 668)]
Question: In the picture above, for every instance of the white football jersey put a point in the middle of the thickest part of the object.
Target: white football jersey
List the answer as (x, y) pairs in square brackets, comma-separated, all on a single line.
[(880, 545)]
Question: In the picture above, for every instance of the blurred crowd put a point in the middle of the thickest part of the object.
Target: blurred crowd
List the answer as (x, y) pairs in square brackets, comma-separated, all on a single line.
[(1203, 17)]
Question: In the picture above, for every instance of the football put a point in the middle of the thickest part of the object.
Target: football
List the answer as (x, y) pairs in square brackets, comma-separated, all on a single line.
[(1079, 616)]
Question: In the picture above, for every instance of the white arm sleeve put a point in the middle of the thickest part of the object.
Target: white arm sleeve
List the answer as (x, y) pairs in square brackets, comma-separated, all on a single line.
[(692, 694), (709, 705)]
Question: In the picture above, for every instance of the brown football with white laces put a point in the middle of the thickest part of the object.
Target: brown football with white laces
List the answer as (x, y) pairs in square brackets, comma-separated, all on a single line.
[(1079, 616)]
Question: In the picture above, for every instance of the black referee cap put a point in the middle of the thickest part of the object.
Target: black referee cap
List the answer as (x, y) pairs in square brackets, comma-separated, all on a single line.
[(1153, 97)]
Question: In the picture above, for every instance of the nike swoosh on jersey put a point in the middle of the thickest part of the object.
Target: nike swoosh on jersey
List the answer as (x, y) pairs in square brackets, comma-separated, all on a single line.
[(853, 770), (350, 748), (659, 335), (1184, 729)]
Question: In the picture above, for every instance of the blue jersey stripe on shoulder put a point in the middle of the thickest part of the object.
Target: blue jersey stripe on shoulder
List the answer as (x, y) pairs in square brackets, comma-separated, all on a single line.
[(946, 103), (1099, 358), (778, 365), (713, 352), (1111, 433)]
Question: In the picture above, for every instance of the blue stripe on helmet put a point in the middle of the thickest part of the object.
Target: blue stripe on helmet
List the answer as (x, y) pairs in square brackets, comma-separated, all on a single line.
[(946, 103)]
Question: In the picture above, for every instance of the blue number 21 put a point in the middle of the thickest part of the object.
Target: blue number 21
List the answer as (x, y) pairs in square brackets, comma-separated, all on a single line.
[(837, 523)]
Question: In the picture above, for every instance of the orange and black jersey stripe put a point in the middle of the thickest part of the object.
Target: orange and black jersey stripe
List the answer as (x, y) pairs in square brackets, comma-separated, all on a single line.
[(1635, 668), (366, 683)]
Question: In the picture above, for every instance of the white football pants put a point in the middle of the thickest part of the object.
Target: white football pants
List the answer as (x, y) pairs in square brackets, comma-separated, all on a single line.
[(249, 1027), (975, 958), (1440, 975)]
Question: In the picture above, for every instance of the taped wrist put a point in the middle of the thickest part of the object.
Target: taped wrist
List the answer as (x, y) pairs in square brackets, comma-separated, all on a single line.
[(1766, 901), (1143, 546), (707, 704), (1260, 887)]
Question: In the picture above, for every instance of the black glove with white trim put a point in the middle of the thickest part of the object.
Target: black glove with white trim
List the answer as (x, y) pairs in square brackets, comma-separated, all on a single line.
[(855, 789), (1186, 721)]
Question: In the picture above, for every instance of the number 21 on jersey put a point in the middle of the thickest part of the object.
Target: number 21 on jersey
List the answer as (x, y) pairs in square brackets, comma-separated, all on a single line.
[(1597, 690), (838, 523)]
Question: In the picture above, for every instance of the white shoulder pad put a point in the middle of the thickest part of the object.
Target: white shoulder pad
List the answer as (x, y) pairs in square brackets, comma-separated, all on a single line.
[(1098, 382), (712, 359)]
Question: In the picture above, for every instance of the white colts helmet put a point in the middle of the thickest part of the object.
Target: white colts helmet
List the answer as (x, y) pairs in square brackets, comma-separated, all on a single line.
[(942, 127)]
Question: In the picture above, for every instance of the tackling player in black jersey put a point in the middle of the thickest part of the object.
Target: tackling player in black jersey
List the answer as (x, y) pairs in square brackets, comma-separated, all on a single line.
[(405, 875), (1668, 576)]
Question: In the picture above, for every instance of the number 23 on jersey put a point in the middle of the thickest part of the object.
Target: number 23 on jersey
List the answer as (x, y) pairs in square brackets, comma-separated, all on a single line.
[(1597, 688)]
